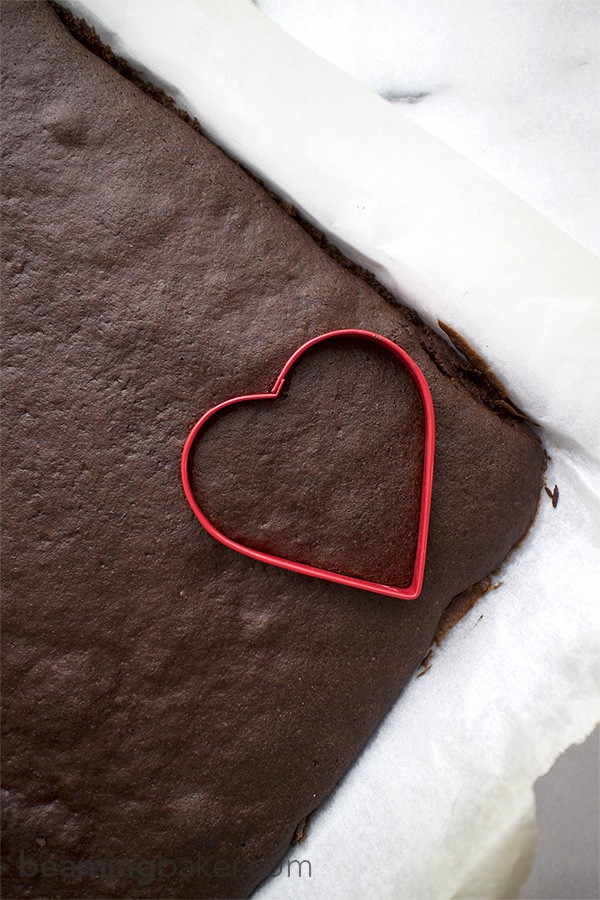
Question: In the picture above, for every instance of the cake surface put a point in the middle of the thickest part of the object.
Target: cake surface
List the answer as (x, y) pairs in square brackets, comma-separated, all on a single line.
[(164, 695)]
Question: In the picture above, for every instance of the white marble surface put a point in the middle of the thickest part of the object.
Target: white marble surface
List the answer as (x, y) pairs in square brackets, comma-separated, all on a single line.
[(514, 85)]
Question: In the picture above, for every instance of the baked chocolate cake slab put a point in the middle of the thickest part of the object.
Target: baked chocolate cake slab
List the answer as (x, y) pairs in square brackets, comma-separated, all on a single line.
[(164, 695)]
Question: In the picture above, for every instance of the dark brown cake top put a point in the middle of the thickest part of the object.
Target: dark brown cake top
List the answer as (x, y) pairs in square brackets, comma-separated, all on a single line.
[(163, 694)]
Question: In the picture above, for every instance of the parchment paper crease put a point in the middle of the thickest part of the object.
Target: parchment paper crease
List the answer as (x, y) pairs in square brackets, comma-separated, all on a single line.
[(440, 804)]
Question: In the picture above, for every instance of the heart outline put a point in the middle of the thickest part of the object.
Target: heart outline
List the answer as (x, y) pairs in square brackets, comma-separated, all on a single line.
[(414, 588)]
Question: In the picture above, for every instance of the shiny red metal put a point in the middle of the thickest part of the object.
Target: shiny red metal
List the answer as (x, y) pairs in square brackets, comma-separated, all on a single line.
[(402, 593)]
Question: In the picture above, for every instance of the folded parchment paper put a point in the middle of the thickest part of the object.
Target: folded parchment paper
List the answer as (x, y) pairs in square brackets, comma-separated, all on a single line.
[(440, 804)]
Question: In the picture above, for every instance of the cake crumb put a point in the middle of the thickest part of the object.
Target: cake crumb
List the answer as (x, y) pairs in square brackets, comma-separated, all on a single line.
[(426, 663), (300, 832)]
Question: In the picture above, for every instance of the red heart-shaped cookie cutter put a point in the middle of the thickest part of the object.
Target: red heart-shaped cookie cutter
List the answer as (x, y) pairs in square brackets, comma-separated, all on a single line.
[(406, 593)]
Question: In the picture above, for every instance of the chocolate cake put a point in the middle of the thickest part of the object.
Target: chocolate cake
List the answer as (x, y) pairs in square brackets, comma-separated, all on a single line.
[(165, 697)]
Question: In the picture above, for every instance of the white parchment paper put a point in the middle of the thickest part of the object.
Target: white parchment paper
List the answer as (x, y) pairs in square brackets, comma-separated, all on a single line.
[(440, 804)]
